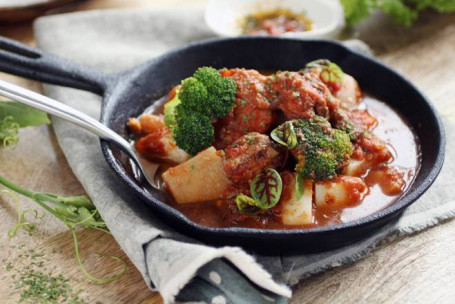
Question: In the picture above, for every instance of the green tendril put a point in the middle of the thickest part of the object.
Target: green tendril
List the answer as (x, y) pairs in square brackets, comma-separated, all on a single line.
[(9, 131), (22, 222), (84, 269), (73, 211)]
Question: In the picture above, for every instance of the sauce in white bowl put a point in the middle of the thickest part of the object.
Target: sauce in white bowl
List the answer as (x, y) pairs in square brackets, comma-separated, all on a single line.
[(226, 17)]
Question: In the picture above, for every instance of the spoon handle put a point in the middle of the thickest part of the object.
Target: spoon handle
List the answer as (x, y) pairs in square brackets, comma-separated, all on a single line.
[(65, 112)]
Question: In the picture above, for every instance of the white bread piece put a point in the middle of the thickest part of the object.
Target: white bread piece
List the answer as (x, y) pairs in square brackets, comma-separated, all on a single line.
[(199, 179)]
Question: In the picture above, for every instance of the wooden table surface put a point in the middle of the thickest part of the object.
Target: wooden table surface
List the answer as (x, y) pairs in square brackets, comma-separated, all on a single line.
[(415, 269)]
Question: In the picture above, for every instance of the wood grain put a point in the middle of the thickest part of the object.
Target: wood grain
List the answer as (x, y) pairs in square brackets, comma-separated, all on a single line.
[(15, 11), (416, 269)]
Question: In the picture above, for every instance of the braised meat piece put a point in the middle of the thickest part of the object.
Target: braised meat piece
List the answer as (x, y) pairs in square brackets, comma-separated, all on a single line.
[(372, 149), (362, 119), (302, 95), (299, 94), (156, 142), (248, 156), (390, 179), (252, 111)]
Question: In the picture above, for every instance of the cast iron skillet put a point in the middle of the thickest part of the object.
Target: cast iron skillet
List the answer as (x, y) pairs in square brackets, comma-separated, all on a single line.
[(129, 93)]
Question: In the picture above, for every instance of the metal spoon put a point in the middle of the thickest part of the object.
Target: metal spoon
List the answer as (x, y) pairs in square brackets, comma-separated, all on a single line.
[(65, 112)]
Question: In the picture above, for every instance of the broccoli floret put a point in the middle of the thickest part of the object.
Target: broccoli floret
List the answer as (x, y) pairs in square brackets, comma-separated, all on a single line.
[(320, 150), (206, 75), (169, 111), (193, 94), (208, 93), (203, 97), (342, 145), (193, 132)]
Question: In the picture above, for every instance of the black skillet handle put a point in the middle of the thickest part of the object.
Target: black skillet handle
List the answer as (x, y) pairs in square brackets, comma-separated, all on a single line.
[(21, 60)]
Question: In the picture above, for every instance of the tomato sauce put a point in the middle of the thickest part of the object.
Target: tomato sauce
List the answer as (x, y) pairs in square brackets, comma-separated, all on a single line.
[(150, 147), (382, 192), (276, 22), (392, 152), (403, 144)]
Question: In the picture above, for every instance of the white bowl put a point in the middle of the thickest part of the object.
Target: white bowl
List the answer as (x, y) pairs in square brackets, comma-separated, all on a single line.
[(224, 17)]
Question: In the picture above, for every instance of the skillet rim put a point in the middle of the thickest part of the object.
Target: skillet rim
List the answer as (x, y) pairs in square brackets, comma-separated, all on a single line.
[(380, 216)]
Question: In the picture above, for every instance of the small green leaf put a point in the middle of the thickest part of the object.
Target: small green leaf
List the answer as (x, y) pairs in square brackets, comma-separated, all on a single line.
[(266, 188), (356, 10), (331, 73), (246, 204), (78, 200), (23, 115), (299, 187), (285, 135)]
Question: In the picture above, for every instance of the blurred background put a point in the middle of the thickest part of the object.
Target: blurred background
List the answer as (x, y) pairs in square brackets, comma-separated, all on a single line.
[(16, 16)]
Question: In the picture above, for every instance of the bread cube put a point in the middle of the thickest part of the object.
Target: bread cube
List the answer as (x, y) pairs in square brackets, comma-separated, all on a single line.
[(199, 179)]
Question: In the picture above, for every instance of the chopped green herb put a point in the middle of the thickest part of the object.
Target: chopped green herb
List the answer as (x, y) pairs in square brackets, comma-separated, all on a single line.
[(38, 264), (36, 285), (249, 139), (73, 211), (40, 287), (36, 255)]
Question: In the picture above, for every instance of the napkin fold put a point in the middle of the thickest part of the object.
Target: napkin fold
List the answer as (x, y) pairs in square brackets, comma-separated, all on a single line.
[(180, 268)]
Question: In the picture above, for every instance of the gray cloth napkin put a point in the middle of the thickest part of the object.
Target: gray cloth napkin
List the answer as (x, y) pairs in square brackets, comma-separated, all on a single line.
[(182, 269)]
